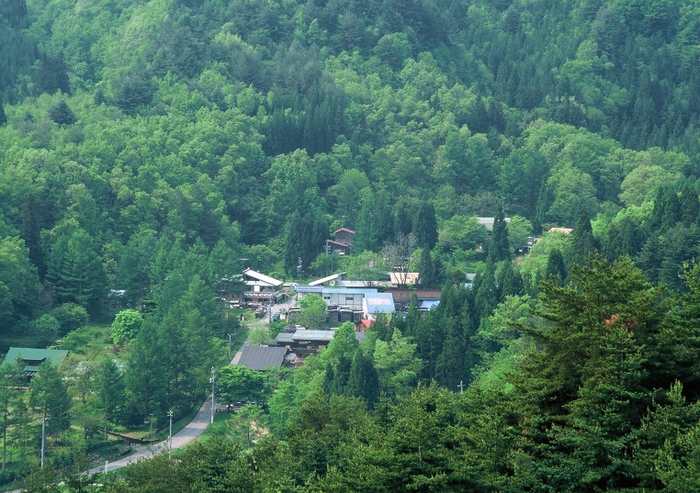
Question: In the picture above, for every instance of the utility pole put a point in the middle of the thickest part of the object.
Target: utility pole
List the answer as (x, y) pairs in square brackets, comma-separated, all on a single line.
[(43, 439), (229, 346), (170, 436), (461, 386), (212, 379)]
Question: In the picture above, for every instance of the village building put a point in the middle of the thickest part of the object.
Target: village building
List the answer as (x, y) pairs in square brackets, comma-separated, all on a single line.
[(260, 289), (262, 357), (33, 358), (342, 242)]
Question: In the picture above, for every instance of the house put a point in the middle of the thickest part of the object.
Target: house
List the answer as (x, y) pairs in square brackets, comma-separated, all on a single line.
[(262, 357), (304, 342), (33, 358), (487, 222), (342, 242), (260, 289), (344, 235), (342, 297)]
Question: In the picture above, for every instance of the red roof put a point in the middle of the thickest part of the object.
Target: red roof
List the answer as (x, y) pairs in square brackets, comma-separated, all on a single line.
[(339, 243), (346, 230)]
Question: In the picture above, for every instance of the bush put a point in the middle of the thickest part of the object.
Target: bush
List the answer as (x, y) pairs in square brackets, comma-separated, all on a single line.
[(126, 326), (70, 316)]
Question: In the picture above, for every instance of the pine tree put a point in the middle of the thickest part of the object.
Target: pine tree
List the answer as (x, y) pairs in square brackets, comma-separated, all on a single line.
[(30, 230), (364, 380), (76, 272), (425, 226), (555, 266), (49, 396), (582, 241), (499, 246), (689, 205), (3, 116), (60, 113), (510, 282), (427, 277)]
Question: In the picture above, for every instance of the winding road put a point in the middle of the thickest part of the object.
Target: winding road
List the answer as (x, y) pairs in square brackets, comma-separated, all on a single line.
[(193, 430)]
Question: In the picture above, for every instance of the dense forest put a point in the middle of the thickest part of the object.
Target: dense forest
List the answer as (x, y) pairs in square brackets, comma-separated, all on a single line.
[(151, 149)]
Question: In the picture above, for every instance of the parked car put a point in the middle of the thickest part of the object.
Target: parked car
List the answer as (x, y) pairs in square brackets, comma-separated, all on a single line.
[(275, 317)]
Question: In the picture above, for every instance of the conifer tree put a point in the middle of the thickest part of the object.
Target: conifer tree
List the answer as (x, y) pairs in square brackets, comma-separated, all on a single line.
[(425, 226), (555, 266), (49, 396), (427, 276), (76, 272), (3, 116), (60, 113), (582, 241), (30, 230), (499, 246), (364, 380)]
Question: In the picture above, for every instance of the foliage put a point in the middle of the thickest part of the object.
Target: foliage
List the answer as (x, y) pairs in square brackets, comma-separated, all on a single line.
[(239, 384), (313, 312), (126, 326)]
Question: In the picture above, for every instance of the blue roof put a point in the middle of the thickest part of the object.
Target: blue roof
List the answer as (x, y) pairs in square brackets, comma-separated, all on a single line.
[(364, 291), (327, 290), (380, 303)]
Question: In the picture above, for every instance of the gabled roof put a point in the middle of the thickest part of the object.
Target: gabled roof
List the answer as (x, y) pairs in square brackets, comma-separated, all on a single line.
[(34, 357), (260, 358), (262, 277), (345, 230)]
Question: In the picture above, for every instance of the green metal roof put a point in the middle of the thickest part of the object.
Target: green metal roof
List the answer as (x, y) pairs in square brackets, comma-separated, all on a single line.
[(34, 357)]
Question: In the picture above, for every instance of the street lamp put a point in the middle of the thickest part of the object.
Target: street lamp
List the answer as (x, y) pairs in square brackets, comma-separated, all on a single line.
[(212, 381), (43, 439), (170, 436)]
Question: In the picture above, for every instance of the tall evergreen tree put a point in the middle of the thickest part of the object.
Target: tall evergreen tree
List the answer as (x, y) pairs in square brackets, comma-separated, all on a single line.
[(425, 226), (30, 231), (555, 266), (689, 205), (364, 380), (3, 116), (582, 241), (76, 272), (427, 276), (667, 211), (499, 246), (60, 113), (49, 396)]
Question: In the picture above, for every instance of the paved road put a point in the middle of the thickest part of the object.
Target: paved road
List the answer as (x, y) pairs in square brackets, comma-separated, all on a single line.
[(287, 304), (183, 437)]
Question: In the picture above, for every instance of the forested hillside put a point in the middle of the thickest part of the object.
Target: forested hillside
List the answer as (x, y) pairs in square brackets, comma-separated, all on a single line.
[(152, 147)]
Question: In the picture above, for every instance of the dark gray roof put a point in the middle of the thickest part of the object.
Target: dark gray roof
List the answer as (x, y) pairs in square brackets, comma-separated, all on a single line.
[(261, 357)]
